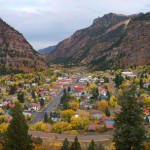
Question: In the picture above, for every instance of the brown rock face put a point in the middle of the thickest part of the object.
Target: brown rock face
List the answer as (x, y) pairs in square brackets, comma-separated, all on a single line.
[(112, 41), (16, 54), (135, 46)]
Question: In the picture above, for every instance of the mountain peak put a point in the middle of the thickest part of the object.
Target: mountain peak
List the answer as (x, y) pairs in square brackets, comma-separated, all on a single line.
[(107, 43), (110, 17)]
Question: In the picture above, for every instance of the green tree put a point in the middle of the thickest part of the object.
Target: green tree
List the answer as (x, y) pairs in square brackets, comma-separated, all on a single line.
[(45, 118), (129, 123), (12, 89), (65, 145), (20, 97), (69, 89), (118, 80), (95, 93), (33, 94), (141, 83), (41, 102), (107, 112), (75, 145), (92, 146), (100, 147), (16, 137), (108, 95)]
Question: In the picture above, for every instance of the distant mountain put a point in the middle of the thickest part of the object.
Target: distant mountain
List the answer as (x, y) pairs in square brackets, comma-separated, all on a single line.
[(46, 50), (16, 54), (112, 41)]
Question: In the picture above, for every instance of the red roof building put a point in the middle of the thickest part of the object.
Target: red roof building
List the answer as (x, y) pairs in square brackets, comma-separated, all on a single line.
[(78, 88), (146, 111), (102, 91)]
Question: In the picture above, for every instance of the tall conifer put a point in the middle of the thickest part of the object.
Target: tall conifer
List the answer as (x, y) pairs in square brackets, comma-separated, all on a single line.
[(16, 137), (129, 124)]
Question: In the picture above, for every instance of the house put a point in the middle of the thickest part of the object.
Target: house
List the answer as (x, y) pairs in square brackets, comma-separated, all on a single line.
[(27, 85), (78, 88), (101, 80), (3, 88), (126, 73), (97, 115), (88, 106), (93, 127), (102, 91), (26, 114), (146, 111), (83, 80), (55, 119), (7, 104), (109, 125), (146, 85), (34, 107)]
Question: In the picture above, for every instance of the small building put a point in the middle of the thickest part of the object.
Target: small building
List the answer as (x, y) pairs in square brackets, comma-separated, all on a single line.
[(79, 88), (146, 111), (34, 107), (102, 91), (127, 73), (93, 127), (109, 125), (97, 115)]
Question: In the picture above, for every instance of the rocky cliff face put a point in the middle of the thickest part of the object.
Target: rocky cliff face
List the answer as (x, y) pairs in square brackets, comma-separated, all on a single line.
[(135, 46), (16, 54), (107, 43)]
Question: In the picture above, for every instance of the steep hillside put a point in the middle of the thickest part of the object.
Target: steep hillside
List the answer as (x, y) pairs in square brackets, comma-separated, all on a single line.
[(135, 46), (112, 41), (16, 54), (46, 50), (86, 44)]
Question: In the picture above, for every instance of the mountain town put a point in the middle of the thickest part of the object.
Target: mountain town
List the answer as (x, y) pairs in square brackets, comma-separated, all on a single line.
[(90, 91)]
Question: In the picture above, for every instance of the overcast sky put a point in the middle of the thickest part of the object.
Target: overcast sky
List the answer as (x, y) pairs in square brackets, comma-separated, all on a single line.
[(47, 22)]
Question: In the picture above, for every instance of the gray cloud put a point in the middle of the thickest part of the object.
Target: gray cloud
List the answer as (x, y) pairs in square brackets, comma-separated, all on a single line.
[(46, 22)]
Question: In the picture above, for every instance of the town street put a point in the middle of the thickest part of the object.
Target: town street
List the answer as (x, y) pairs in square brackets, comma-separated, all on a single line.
[(83, 138), (55, 101), (40, 115)]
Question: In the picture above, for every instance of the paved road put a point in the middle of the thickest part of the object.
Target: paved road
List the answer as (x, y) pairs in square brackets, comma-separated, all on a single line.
[(40, 115), (84, 138), (55, 101), (112, 84)]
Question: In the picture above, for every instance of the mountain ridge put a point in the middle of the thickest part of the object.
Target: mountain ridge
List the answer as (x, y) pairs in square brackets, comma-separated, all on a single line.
[(100, 44), (16, 54)]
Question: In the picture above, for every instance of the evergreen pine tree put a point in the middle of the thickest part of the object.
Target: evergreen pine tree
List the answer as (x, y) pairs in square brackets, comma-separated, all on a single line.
[(118, 80), (75, 145), (100, 147), (41, 102), (33, 94), (12, 89), (45, 118), (16, 137), (108, 95), (141, 83), (69, 89), (92, 146), (107, 113), (129, 123), (20, 97), (65, 145)]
